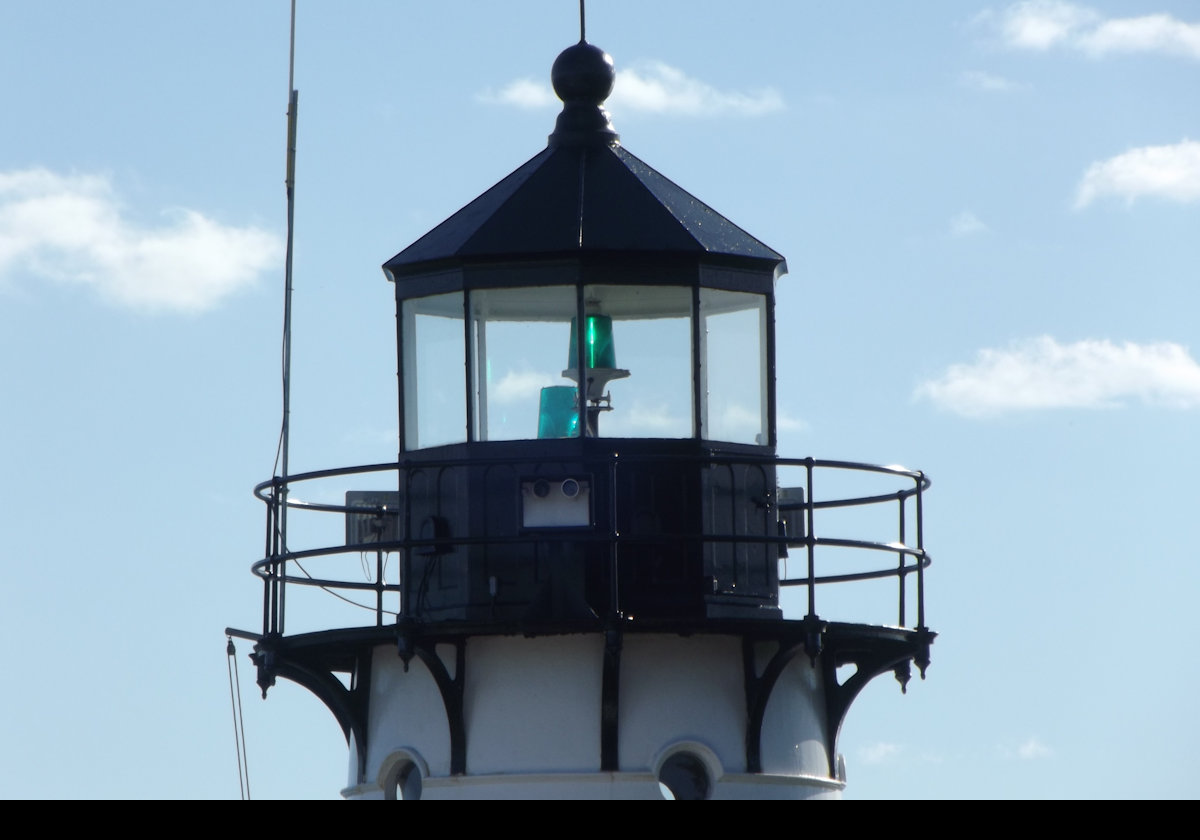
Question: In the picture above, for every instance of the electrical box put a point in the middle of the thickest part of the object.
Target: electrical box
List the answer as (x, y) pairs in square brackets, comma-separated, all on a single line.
[(792, 512), (372, 516), (556, 502)]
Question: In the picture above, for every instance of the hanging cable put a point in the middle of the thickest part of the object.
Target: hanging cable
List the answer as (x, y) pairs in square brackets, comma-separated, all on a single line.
[(239, 724)]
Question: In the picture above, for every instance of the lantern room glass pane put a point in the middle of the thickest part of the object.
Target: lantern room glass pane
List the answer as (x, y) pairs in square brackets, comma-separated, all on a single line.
[(520, 339), (435, 395), (650, 348), (734, 366)]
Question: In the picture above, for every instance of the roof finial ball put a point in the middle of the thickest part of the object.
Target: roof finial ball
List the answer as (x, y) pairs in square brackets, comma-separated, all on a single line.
[(583, 73), (583, 77)]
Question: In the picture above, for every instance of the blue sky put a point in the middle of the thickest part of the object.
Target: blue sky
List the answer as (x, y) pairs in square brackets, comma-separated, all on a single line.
[(989, 213)]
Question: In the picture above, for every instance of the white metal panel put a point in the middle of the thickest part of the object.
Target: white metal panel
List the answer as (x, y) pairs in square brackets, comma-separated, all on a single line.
[(406, 710), (533, 704)]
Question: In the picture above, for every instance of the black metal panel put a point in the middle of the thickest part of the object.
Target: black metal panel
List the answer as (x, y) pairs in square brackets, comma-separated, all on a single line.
[(571, 200), (711, 231), (661, 566), (450, 237), (540, 217), (739, 501), (618, 212), (673, 530)]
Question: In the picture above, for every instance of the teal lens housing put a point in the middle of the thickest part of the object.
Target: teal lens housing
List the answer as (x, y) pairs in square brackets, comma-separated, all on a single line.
[(597, 343), (558, 415)]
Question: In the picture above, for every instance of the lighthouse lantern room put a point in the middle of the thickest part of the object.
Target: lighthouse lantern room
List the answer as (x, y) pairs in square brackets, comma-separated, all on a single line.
[(580, 548)]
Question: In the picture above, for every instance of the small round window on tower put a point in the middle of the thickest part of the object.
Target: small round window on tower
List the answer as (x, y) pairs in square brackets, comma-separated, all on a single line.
[(684, 776), (404, 782)]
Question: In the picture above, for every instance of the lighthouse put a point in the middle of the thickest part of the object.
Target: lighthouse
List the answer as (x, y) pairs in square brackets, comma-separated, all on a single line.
[(573, 568)]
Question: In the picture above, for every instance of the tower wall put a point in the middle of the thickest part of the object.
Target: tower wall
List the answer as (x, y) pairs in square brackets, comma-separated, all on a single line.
[(532, 710)]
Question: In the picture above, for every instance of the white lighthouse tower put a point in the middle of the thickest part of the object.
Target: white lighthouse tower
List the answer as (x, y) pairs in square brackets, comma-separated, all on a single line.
[(578, 554)]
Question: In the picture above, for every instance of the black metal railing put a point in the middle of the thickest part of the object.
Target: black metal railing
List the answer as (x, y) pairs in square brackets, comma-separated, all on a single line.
[(809, 522)]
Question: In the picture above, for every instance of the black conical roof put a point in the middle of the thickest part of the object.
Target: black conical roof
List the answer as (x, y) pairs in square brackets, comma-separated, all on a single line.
[(583, 193)]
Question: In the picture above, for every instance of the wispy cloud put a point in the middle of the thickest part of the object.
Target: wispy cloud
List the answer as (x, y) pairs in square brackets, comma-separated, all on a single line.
[(521, 386), (736, 418), (527, 94), (72, 229), (1033, 749), (650, 87), (1171, 172), (646, 419), (966, 223), (879, 753), (1041, 24), (987, 82), (1040, 373), (660, 88), (785, 422), (1044, 24)]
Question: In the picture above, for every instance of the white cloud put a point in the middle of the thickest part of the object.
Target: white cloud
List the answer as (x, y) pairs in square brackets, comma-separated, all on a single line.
[(785, 422), (645, 419), (1040, 373), (736, 418), (521, 93), (1171, 172), (659, 88), (966, 223), (988, 82), (1033, 749), (1042, 24), (1151, 33), (652, 87), (879, 753), (521, 386), (70, 228)]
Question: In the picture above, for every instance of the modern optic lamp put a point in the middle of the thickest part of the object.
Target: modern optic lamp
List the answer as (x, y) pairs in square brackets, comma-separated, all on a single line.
[(599, 367)]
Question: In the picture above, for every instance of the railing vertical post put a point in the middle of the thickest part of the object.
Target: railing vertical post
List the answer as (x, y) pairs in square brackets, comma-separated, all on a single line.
[(920, 480), (269, 578), (281, 552), (900, 559), (379, 586), (277, 568), (812, 539)]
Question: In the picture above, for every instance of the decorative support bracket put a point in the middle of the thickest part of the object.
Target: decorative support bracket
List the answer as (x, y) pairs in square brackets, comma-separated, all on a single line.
[(451, 688), (348, 705), (873, 651)]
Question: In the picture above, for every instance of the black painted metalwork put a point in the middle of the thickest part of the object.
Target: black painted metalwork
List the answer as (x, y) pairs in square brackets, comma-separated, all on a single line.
[(314, 667), (842, 559), (584, 194), (758, 691), (311, 660), (682, 536), (873, 648), (451, 689), (610, 707)]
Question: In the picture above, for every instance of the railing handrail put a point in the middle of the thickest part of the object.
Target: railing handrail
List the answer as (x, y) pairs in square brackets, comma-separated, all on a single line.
[(923, 481), (276, 494)]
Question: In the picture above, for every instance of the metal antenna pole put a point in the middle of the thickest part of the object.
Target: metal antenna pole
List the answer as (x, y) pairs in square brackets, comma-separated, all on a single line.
[(290, 183), (582, 34)]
